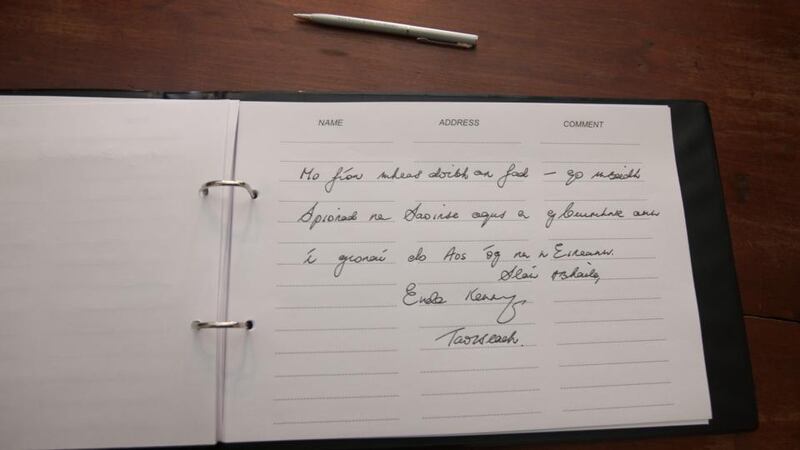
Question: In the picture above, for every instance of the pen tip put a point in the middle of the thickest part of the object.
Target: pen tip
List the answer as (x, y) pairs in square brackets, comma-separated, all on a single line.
[(303, 16)]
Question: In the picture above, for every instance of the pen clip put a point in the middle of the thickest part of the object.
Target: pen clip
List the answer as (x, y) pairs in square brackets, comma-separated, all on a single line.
[(449, 44)]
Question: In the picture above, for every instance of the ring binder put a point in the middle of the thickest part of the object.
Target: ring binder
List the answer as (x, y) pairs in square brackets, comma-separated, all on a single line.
[(724, 342), (235, 183), (198, 325)]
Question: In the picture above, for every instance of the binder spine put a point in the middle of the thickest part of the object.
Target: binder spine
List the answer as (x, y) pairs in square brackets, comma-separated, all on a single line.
[(224, 324)]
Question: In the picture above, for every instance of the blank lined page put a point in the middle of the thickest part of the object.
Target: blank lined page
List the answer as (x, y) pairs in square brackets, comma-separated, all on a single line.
[(456, 268), (108, 255)]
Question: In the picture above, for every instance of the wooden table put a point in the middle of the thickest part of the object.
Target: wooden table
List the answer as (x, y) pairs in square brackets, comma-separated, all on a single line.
[(742, 58)]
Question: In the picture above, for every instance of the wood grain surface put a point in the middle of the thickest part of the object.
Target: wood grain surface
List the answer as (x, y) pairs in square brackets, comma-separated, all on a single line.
[(742, 58)]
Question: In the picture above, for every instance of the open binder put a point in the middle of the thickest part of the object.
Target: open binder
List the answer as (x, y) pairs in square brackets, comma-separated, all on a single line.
[(363, 270)]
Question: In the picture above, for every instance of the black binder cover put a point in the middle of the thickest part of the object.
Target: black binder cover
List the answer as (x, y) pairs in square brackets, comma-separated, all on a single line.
[(727, 360)]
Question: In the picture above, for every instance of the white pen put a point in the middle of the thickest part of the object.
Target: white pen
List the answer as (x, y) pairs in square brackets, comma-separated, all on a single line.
[(430, 35)]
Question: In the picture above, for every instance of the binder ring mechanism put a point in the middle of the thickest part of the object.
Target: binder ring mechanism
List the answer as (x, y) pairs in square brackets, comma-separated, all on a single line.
[(198, 325), (234, 183)]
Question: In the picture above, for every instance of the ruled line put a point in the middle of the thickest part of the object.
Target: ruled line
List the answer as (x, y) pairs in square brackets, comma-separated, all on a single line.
[(338, 181), (606, 299), (337, 242), (334, 285), (466, 161), (481, 369), (337, 201), (319, 352), (630, 278), (624, 341), (473, 240), (644, 319), (367, 263), (468, 181), (603, 239), (468, 142), (303, 330), (479, 261), (477, 324), (597, 280), (492, 220), (309, 422), (502, 391), (468, 416), (596, 200), (603, 258), (336, 307), (341, 161), (615, 363), (438, 305), (592, 181), (345, 374), (438, 283), (340, 397), (425, 349), (493, 200), (589, 143), (592, 162), (603, 408), (337, 142), (582, 219), (348, 221), (601, 386)]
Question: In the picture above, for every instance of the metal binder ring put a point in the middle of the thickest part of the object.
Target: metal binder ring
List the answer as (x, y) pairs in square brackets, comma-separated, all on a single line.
[(198, 325), (235, 183)]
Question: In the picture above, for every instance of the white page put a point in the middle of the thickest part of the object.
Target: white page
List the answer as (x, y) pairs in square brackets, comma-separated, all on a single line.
[(108, 254), (604, 338)]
